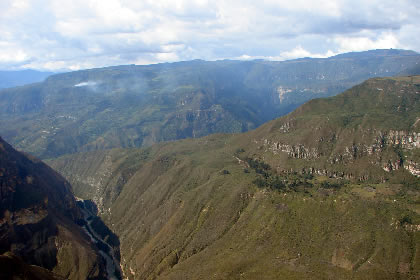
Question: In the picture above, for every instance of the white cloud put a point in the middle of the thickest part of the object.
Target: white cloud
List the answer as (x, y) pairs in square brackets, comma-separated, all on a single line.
[(169, 57), (297, 52), (14, 55), (383, 41), (86, 84), (48, 34)]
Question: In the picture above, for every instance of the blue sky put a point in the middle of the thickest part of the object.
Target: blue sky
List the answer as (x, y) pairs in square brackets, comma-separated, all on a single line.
[(78, 34)]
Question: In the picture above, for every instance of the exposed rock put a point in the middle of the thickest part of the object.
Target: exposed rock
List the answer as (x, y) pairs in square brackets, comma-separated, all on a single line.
[(380, 141), (390, 166), (407, 140), (282, 92), (293, 151), (412, 167)]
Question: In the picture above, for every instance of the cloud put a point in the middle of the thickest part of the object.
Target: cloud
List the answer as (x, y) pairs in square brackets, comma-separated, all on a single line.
[(297, 52), (86, 84), (361, 43), (45, 34)]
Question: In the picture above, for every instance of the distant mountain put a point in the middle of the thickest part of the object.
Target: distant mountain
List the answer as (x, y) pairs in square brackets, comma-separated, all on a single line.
[(329, 191), (133, 106), (376, 53), (16, 78), (39, 221)]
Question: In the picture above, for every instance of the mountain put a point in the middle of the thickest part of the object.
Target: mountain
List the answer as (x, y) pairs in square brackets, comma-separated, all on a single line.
[(329, 191), (16, 78), (135, 106), (39, 233)]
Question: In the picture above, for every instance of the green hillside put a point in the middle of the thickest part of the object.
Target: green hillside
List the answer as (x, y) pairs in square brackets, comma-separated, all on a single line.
[(135, 106), (330, 191)]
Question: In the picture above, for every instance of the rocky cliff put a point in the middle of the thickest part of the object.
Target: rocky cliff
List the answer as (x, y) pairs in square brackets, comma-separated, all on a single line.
[(375, 123)]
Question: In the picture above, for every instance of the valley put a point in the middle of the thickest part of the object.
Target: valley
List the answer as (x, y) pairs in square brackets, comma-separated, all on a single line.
[(91, 224), (219, 140), (256, 185), (329, 190)]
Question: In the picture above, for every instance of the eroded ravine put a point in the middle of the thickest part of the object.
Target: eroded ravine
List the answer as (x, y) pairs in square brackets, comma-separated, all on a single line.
[(110, 252)]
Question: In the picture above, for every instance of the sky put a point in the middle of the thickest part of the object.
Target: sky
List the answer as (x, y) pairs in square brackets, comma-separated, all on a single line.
[(62, 35)]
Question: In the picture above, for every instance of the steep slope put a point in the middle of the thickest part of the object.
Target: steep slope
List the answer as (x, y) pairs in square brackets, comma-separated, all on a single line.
[(326, 192), (38, 216), (133, 106), (376, 124)]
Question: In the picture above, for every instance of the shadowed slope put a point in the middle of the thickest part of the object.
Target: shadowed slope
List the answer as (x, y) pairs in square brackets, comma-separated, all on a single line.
[(38, 216)]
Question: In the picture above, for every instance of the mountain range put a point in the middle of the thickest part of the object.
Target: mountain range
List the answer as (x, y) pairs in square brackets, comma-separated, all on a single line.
[(137, 106), (257, 185), (329, 191)]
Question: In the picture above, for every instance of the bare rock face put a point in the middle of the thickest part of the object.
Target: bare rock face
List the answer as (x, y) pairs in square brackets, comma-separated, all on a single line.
[(38, 218), (413, 167)]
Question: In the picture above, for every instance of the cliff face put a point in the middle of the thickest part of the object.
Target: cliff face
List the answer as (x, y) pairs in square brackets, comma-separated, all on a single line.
[(382, 151), (38, 216)]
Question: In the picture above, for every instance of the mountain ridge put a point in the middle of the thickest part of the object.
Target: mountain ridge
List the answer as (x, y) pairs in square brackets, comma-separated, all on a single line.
[(133, 106)]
